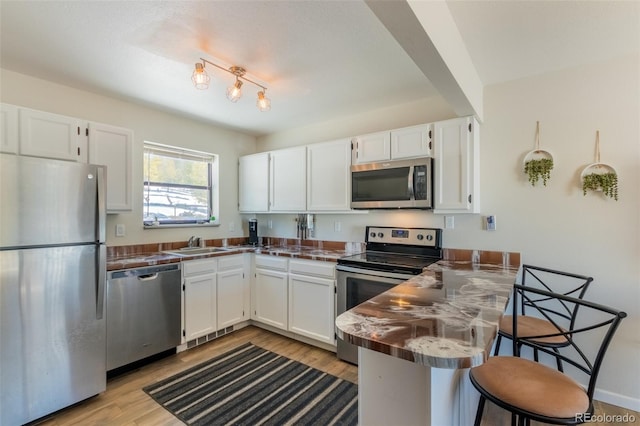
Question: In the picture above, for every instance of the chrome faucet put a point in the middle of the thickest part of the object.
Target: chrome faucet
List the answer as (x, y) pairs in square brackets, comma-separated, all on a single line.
[(193, 242)]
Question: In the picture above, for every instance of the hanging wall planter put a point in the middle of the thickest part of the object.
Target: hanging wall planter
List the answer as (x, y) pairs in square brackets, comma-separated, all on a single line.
[(538, 163), (599, 176)]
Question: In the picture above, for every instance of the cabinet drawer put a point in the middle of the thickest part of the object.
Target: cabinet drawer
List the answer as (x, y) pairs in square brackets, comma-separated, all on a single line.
[(312, 267), (271, 262), (193, 267), (226, 263)]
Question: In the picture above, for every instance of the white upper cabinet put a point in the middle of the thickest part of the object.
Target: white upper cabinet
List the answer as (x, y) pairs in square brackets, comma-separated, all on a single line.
[(113, 147), (457, 166), (409, 142), (305, 178), (288, 179), (253, 182), (43, 134), (371, 147), (328, 176), (8, 128)]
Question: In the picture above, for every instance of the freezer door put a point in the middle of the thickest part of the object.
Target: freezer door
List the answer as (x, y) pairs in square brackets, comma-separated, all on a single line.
[(53, 342), (49, 202)]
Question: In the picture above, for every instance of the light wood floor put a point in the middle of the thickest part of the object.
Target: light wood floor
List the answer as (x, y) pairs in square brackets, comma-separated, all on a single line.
[(124, 402)]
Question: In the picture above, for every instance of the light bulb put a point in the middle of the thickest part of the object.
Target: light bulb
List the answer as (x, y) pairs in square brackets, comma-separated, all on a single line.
[(200, 77), (234, 92), (263, 103)]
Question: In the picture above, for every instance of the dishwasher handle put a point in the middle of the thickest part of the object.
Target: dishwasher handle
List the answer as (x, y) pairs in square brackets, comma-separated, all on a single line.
[(145, 273), (148, 277)]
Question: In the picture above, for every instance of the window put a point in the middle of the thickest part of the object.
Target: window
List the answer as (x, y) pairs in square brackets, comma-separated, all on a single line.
[(180, 186)]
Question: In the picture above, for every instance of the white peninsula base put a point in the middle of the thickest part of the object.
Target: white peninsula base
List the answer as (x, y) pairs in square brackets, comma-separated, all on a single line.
[(392, 391)]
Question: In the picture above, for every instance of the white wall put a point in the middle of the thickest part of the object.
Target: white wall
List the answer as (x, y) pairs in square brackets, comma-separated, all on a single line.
[(147, 124), (417, 112), (554, 226)]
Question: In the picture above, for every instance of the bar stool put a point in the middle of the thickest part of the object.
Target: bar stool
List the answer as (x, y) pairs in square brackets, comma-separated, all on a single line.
[(534, 391), (528, 326)]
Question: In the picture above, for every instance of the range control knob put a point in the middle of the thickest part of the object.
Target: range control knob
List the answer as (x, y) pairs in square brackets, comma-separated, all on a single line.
[(380, 235), (372, 235), (429, 237), (420, 237)]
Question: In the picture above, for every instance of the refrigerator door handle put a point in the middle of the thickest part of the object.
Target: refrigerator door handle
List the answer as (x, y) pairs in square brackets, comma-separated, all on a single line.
[(101, 271), (101, 205)]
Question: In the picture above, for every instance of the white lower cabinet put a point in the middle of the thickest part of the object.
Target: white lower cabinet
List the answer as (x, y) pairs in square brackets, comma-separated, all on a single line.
[(311, 299), (199, 278), (233, 291), (270, 291)]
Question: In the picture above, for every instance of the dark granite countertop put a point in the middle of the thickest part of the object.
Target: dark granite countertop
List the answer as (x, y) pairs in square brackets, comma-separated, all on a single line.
[(447, 317)]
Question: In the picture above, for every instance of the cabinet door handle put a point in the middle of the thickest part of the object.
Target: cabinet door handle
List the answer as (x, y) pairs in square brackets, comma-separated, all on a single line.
[(469, 198)]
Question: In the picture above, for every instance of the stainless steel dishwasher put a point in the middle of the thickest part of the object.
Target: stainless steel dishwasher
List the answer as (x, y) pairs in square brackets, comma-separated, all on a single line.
[(143, 313)]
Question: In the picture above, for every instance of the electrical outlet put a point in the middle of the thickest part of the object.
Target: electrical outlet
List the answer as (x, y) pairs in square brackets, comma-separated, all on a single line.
[(337, 226), (270, 224), (232, 226), (120, 230), (448, 222)]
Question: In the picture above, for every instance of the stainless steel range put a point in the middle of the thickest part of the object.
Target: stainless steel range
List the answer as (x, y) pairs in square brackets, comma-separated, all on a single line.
[(392, 256)]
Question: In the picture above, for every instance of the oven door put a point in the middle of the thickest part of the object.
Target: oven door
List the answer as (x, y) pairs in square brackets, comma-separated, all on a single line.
[(354, 286)]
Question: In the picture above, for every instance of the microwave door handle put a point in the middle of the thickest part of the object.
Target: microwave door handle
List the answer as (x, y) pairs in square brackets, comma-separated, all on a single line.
[(412, 195)]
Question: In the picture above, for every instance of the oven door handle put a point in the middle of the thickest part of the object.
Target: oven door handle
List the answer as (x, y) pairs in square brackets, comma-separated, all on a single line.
[(380, 274)]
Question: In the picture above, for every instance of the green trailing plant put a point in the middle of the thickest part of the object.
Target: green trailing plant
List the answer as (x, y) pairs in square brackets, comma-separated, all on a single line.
[(539, 169), (608, 182)]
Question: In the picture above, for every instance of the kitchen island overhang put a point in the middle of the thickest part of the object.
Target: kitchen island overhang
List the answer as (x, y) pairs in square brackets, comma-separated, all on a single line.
[(417, 340)]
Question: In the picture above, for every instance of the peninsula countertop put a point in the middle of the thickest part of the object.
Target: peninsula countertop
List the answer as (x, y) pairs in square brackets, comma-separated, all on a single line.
[(447, 317)]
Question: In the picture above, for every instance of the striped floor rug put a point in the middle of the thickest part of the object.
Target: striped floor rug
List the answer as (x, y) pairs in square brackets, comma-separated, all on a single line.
[(252, 386)]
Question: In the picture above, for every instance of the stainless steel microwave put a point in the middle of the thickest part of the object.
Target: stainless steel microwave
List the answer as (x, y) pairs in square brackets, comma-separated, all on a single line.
[(394, 184)]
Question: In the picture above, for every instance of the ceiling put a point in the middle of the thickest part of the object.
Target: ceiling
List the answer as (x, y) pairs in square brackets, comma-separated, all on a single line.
[(318, 59)]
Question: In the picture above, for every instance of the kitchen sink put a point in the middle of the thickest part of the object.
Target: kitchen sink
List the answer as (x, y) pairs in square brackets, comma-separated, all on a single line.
[(191, 251)]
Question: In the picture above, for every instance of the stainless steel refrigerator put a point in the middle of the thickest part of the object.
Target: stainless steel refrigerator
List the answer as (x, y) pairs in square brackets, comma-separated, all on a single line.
[(52, 285)]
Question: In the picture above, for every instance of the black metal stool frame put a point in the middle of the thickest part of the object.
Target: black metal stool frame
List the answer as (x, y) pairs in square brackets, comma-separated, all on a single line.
[(588, 365), (535, 272)]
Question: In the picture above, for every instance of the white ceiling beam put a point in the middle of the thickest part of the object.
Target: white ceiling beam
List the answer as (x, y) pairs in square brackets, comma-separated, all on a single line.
[(427, 32)]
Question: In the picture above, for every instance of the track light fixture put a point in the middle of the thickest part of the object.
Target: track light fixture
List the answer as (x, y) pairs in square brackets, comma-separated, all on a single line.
[(201, 80)]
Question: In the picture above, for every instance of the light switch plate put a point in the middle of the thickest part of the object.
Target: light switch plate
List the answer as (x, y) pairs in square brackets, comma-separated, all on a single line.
[(120, 230), (491, 223)]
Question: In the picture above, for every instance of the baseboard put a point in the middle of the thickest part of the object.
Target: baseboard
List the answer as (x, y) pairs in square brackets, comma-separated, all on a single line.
[(617, 399)]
